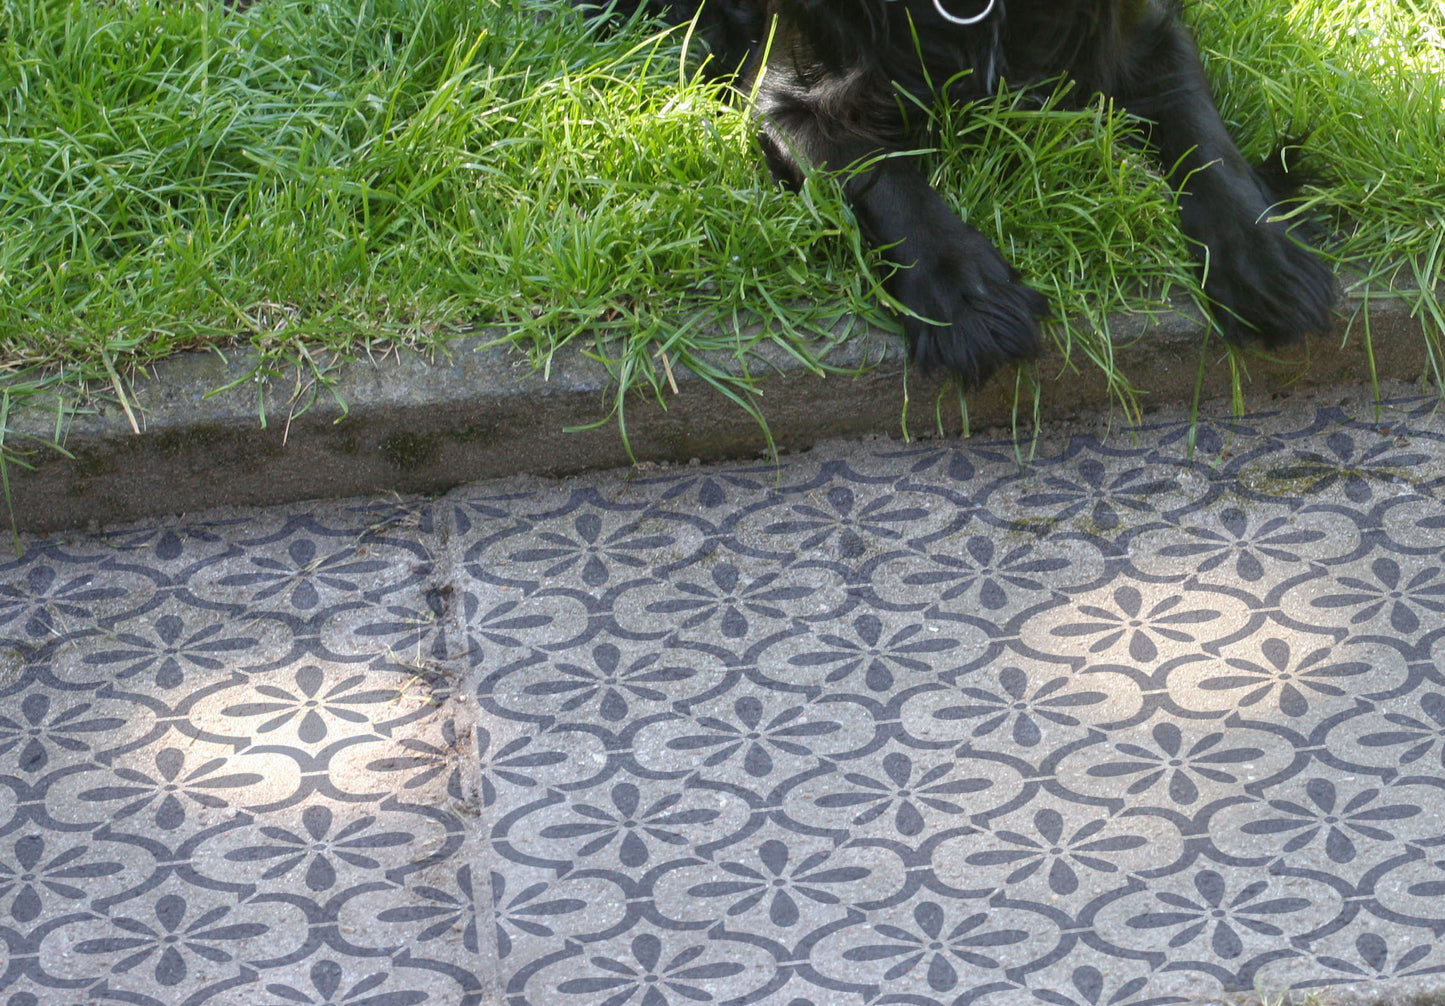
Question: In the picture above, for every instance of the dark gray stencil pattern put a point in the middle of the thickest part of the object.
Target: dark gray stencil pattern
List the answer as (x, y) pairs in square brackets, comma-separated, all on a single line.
[(886, 724)]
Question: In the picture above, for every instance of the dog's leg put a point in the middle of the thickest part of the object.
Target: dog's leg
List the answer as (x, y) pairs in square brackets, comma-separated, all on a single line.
[(973, 314), (966, 311), (1262, 282)]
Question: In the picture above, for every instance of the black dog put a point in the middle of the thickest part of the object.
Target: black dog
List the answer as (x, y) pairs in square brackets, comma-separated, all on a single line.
[(829, 99)]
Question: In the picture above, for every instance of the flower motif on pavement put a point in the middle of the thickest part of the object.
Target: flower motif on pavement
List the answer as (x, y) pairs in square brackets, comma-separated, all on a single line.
[(983, 571), (1374, 955), (953, 464), (499, 623), (1206, 436), (1089, 991), (1274, 538), (676, 981), (1423, 593), (511, 763), (1169, 759), (1423, 735), (37, 729), (601, 827), (1128, 618), (351, 844), (1220, 917), (1081, 848), (711, 491), (168, 790), (1284, 675), (59, 876), (607, 678), (41, 604), (1356, 816), (838, 515), (414, 632), (295, 578), (927, 940), (749, 734), (307, 702), (426, 761), (903, 794), (594, 548), (169, 651), (522, 911), (866, 648), (1097, 496), (172, 939), (478, 511), (169, 543), (728, 599), (449, 913), (753, 885), (1350, 465), (326, 984), (1013, 701)]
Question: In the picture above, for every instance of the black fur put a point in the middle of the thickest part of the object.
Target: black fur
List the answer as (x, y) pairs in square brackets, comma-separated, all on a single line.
[(828, 100)]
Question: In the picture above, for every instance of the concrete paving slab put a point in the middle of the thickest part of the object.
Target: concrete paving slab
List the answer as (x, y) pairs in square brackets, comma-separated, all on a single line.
[(225, 751), (889, 723)]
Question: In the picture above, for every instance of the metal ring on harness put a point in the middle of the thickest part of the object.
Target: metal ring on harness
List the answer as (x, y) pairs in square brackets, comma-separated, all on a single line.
[(938, 6)]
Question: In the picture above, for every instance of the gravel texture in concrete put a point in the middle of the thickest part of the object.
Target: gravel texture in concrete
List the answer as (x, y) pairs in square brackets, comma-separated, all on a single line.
[(889, 723)]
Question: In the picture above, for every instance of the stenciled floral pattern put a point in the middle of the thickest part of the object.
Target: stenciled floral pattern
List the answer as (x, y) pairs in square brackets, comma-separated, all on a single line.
[(886, 724)]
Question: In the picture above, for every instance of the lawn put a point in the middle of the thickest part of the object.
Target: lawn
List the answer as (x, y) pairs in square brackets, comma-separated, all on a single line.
[(315, 180)]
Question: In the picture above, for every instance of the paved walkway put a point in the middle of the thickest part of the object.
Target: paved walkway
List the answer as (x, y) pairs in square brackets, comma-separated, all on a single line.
[(890, 724)]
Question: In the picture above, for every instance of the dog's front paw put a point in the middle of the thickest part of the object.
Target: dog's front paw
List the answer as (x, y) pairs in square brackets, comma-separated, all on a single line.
[(970, 314), (1264, 285)]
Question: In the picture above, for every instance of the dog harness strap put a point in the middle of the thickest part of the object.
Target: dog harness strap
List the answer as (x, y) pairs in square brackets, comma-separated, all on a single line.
[(938, 6)]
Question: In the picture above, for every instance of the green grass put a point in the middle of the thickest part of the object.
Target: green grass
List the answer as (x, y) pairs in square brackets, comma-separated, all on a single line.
[(318, 180)]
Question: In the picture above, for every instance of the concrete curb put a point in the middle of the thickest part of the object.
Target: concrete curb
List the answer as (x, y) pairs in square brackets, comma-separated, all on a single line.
[(417, 426)]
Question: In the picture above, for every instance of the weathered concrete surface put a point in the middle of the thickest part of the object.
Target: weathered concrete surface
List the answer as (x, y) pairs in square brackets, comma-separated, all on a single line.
[(411, 425), (885, 724)]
